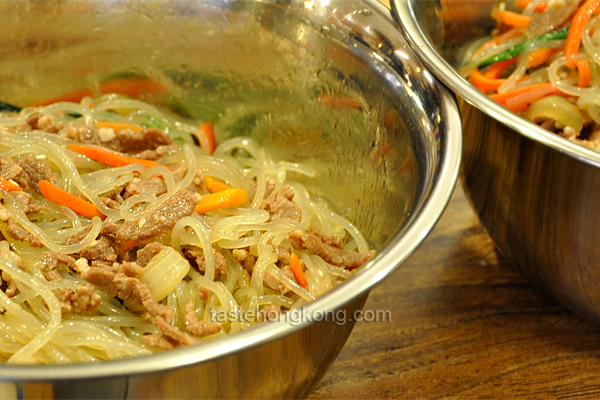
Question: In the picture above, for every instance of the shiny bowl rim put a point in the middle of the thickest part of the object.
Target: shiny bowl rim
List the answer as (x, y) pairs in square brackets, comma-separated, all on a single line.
[(399, 248), (406, 15)]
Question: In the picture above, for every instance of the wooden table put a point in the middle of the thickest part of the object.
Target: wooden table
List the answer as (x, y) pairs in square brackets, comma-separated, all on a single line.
[(465, 324)]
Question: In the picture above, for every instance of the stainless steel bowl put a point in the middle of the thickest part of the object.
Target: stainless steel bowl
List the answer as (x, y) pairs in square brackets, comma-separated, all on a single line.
[(259, 69), (535, 192)]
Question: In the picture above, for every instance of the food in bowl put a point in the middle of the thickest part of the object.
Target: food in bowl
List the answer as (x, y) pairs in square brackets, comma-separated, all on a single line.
[(542, 62), (126, 230)]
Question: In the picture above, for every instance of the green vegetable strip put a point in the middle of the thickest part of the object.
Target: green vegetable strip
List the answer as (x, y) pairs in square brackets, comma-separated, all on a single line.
[(516, 50)]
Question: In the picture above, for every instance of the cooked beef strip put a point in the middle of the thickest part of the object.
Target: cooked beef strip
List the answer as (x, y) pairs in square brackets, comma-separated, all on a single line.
[(271, 282), (46, 123), (346, 259), (333, 240), (154, 185), (268, 313), (203, 292), (245, 257), (83, 299), (196, 254), (124, 141), (26, 202), (164, 218), (16, 232), (51, 261), (146, 139), (35, 170), (119, 280), (103, 248), (280, 204), (147, 253), (9, 169), (197, 327), (283, 254)]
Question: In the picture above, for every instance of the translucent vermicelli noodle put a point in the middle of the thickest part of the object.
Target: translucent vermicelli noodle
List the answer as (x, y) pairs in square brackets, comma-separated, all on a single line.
[(124, 230), (543, 62)]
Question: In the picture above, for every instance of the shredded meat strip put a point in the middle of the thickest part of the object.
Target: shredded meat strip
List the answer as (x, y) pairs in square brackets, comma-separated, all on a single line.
[(333, 255), (197, 327), (164, 218), (280, 204)]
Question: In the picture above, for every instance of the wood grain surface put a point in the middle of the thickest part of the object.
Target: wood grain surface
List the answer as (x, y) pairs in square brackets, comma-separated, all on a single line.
[(465, 324)]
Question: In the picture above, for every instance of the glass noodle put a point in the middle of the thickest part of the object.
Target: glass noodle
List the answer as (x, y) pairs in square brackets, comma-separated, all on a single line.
[(205, 269)]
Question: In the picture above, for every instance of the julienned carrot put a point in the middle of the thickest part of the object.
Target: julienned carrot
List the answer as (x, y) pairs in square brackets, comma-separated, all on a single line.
[(502, 97), (118, 126), (511, 18), (57, 195), (296, 266), (8, 185), (577, 28), (111, 158), (484, 83), (522, 101), (208, 129), (522, 4), (585, 76), (222, 199), (495, 70), (214, 185), (540, 56)]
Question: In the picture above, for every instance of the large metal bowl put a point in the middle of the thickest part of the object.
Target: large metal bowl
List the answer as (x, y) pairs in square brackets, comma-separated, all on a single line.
[(535, 192), (261, 69)]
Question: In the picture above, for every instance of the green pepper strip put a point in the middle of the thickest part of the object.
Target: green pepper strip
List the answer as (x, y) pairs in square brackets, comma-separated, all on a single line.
[(516, 50)]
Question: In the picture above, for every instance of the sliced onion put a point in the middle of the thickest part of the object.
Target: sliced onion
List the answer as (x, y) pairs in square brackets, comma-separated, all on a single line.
[(559, 109), (591, 103), (164, 271)]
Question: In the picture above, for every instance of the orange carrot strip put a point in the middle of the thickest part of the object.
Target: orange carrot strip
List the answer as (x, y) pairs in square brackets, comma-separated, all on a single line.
[(522, 101), (118, 126), (296, 266), (214, 185), (9, 186), (222, 199), (502, 97), (496, 40), (522, 4), (539, 57), (585, 76), (111, 158), (57, 195), (577, 28), (495, 70), (483, 83), (208, 128), (511, 18)]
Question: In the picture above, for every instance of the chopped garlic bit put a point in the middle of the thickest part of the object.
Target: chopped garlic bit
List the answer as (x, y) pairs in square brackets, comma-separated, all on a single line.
[(40, 157)]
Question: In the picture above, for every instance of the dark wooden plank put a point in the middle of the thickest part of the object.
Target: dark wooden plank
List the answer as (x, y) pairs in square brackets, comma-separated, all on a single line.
[(465, 324)]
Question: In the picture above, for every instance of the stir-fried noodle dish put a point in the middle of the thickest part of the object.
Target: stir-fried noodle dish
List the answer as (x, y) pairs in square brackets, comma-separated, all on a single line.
[(125, 229), (543, 62)]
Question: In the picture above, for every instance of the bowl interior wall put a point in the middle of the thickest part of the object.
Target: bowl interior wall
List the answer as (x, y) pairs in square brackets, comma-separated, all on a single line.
[(255, 69)]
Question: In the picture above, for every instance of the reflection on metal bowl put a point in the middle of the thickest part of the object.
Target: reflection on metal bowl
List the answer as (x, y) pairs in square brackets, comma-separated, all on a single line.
[(535, 192), (389, 164)]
